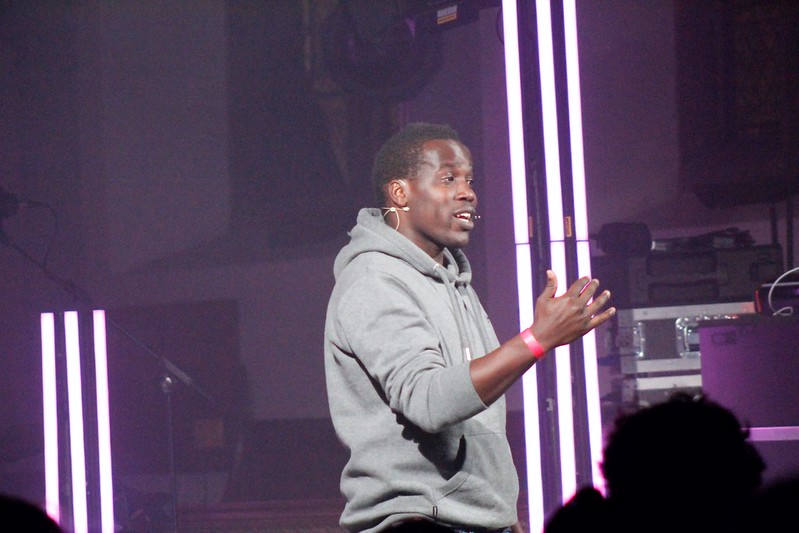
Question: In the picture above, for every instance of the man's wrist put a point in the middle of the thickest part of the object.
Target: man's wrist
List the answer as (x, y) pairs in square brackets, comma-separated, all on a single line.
[(532, 343)]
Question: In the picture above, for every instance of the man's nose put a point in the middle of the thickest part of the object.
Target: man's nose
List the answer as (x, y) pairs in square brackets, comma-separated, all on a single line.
[(466, 192)]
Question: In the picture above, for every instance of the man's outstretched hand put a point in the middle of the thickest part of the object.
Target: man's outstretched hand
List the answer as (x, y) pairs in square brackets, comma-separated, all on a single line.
[(557, 321), (560, 320)]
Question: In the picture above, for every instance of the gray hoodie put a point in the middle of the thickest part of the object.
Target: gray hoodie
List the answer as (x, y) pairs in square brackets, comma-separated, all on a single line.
[(399, 334)]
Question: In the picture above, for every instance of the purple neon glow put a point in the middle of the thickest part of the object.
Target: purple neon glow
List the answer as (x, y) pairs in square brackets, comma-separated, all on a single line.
[(535, 488), (515, 123), (546, 66), (50, 409), (76, 431), (575, 121), (563, 380), (593, 408), (557, 231), (523, 260), (774, 433), (593, 414), (103, 423)]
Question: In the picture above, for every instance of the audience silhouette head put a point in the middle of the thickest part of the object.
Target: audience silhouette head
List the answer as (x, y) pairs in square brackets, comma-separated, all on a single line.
[(685, 464), (687, 461), (22, 515)]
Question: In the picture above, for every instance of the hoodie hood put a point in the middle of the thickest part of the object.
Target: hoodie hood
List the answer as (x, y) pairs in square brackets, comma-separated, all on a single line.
[(372, 234)]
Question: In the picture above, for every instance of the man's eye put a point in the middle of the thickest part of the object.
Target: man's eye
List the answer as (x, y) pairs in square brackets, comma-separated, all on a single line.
[(448, 178)]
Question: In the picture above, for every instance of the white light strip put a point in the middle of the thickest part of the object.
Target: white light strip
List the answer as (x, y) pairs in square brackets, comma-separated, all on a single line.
[(575, 121), (75, 401), (580, 226), (524, 276), (50, 409), (591, 372), (532, 432), (549, 117), (103, 423), (535, 484), (568, 461), (594, 412), (524, 280), (774, 433), (546, 65), (515, 123), (563, 379)]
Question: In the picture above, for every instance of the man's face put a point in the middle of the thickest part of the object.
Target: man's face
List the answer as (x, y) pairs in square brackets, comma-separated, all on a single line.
[(441, 199)]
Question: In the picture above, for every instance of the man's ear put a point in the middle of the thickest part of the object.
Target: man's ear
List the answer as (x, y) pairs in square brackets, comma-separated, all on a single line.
[(397, 192)]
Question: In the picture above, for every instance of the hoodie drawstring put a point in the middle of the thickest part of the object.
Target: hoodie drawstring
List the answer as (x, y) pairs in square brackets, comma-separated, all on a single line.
[(457, 308), (460, 311)]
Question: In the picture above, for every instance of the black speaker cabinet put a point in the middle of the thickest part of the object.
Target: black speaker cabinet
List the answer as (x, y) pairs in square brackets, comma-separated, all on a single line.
[(688, 277), (737, 86)]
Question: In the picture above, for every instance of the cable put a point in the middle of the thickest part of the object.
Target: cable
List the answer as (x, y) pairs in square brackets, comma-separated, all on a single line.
[(787, 310)]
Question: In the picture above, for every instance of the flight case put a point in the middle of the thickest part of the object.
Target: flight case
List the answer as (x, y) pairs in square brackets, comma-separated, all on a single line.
[(657, 348)]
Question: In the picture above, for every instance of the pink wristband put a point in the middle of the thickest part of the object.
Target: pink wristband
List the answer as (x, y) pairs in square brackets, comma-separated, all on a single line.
[(532, 343)]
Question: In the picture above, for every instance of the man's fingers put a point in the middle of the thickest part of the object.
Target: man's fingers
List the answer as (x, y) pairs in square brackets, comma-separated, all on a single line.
[(599, 302), (601, 318), (584, 287), (551, 286)]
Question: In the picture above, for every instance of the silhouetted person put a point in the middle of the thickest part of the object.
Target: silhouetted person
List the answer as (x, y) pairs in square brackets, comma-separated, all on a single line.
[(26, 517), (684, 465), (586, 511)]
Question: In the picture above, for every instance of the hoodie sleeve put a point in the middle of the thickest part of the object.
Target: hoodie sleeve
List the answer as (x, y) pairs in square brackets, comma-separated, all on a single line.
[(383, 323)]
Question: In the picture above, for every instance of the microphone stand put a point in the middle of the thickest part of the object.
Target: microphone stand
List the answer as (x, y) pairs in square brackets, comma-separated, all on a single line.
[(171, 371)]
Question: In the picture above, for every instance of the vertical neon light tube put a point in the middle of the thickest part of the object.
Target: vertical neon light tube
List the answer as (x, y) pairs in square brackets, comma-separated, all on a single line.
[(594, 414), (50, 409), (593, 409), (575, 121), (546, 65), (524, 275), (515, 125), (75, 399), (563, 368), (103, 423)]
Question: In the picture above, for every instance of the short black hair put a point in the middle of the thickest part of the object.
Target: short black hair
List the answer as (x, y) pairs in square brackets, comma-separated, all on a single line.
[(401, 155)]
